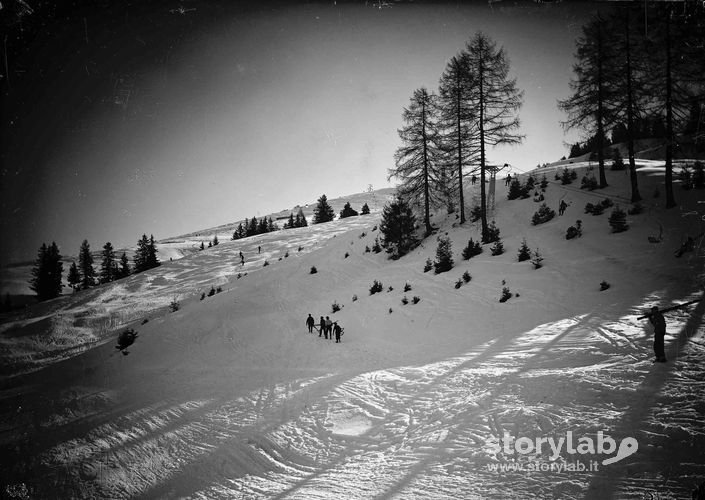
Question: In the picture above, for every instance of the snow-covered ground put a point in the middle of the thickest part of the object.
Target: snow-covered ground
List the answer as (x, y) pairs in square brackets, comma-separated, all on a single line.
[(230, 397)]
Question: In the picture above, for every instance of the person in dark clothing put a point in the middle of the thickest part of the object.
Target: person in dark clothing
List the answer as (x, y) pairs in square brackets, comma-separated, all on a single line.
[(310, 322), (338, 331), (508, 180), (321, 327), (561, 207), (657, 319), (329, 328)]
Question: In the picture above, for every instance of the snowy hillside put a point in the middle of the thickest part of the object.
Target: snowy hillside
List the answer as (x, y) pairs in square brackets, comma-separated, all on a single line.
[(230, 397)]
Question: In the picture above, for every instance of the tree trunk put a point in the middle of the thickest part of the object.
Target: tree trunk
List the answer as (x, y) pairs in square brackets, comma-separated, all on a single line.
[(630, 116), (427, 210), (600, 114), (483, 201), (670, 198)]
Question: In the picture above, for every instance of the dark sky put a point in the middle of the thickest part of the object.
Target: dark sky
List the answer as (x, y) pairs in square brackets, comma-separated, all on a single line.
[(166, 117)]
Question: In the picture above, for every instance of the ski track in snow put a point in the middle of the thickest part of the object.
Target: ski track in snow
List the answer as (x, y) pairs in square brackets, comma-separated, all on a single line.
[(408, 432), (379, 430)]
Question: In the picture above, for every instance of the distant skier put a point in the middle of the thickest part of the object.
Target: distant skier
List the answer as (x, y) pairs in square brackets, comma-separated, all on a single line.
[(242, 259), (310, 322), (659, 322), (321, 327), (338, 331), (561, 207), (508, 180), (259, 249), (473, 179)]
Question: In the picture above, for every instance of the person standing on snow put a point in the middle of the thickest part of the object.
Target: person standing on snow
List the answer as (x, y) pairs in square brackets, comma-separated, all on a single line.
[(329, 327), (310, 322), (338, 331), (321, 327), (659, 322)]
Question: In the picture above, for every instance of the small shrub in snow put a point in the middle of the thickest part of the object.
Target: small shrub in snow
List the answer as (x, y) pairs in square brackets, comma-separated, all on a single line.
[(354, 298), (473, 248), (444, 255), (145, 321), (367, 249), (543, 214), (428, 265), (475, 213), (314, 270), (589, 183), (466, 277), (686, 177), (566, 177), (530, 182), (390, 310), (376, 248), (515, 189), (492, 233), (604, 286), (416, 299), (390, 289), (174, 305), (524, 251), (286, 254), (362, 235), (404, 300), (618, 220), (203, 295), (497, 248), (537, 259), (266, 263), (617, 161), (506, 295), (347, 255), (544, 183), (407, 287), (376, 287), (211, 292), (635, 209), (574, 231), (458, 283), (335, 307), (218, 290)]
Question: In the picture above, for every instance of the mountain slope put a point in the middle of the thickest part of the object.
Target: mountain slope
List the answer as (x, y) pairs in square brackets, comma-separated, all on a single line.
[(229, 397)]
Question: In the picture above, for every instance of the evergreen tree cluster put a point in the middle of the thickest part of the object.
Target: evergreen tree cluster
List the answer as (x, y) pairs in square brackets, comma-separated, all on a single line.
[(446, 134), (47, 273), (48, 269), (253, 227), (298, 221), (639, 72), (146, 255), (398, 228), (348, 211), (323, 211)]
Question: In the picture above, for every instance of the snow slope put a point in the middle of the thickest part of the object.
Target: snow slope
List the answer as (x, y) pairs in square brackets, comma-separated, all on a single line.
[(230, 397)]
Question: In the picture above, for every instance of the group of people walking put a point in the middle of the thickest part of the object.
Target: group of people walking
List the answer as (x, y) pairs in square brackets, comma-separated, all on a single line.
[(326, 328)]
